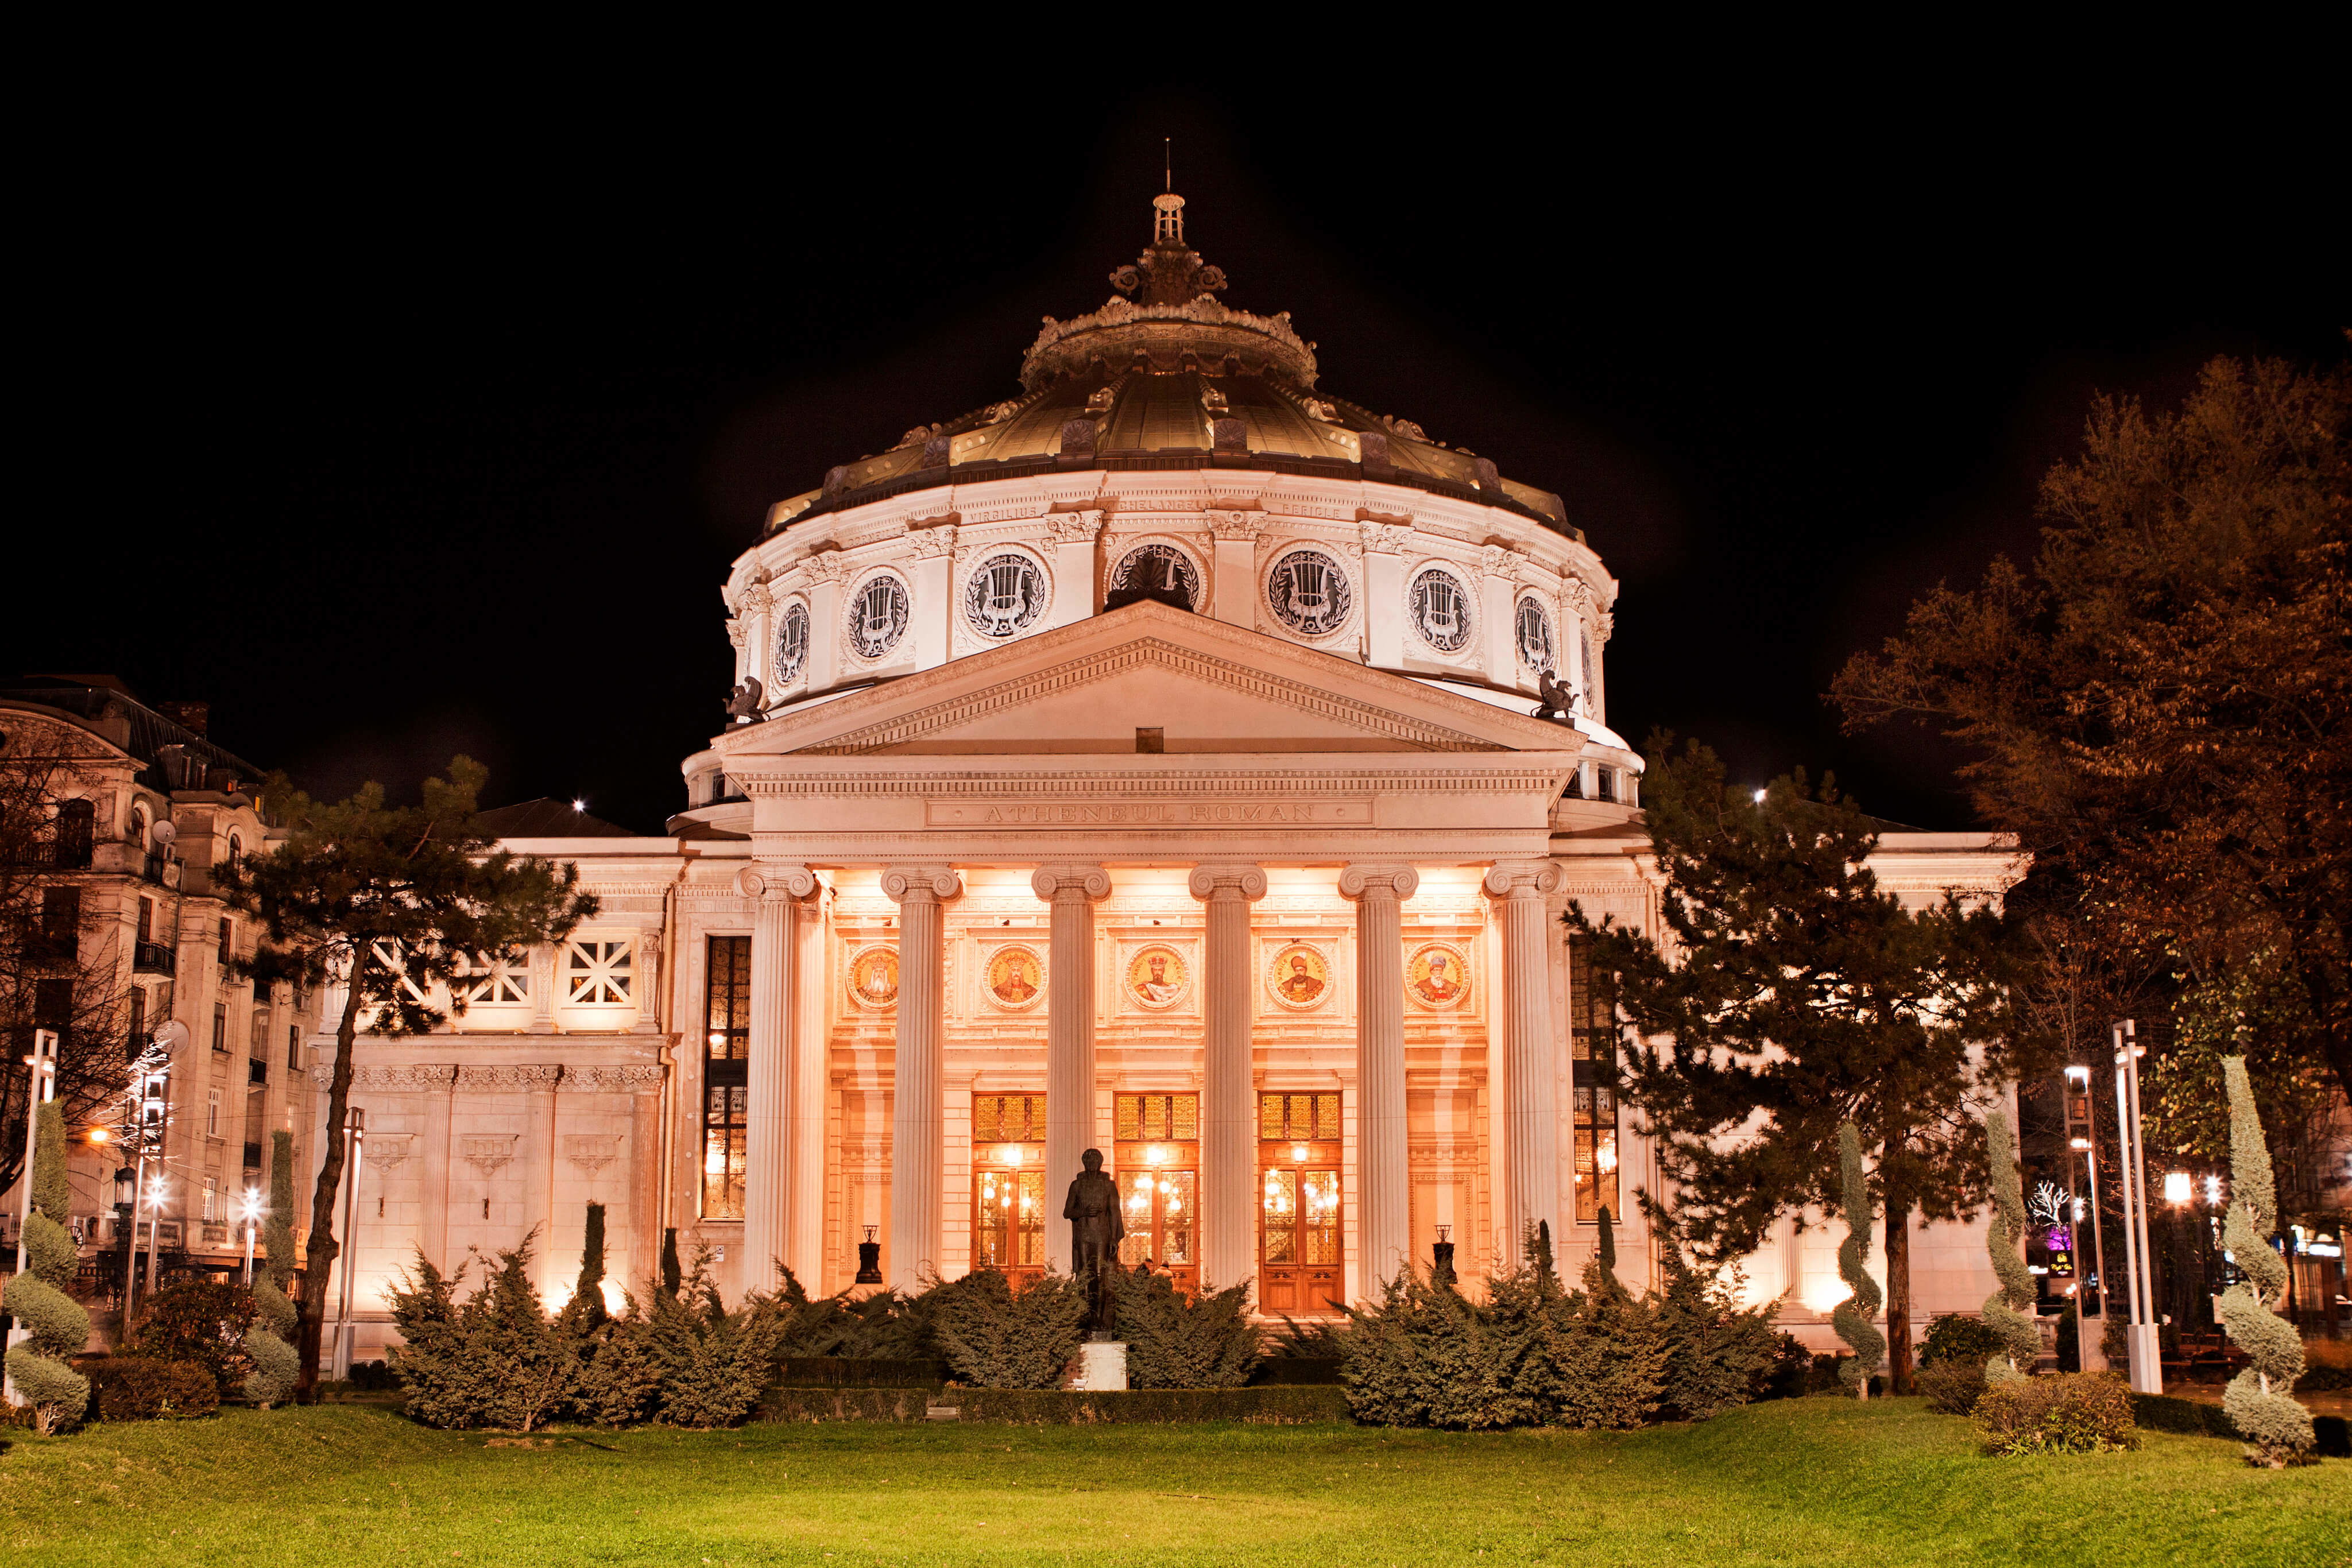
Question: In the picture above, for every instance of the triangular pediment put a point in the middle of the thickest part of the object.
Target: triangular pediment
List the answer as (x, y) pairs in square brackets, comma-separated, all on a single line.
[(1089, 687)]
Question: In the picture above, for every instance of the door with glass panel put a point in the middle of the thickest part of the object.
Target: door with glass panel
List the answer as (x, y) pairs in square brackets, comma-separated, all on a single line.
[(1008, 1183), (1299, 1255), (1157, 1163)]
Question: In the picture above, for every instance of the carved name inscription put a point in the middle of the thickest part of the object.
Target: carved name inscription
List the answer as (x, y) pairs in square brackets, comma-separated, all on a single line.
[(1148, 813)]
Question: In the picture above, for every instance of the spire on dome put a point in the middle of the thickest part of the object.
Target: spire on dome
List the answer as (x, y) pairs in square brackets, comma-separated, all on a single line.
[(1168, 272)]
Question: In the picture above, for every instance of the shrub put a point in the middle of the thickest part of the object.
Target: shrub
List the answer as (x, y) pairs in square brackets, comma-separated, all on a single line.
[(269, 1339), (35, 1295), (855, 1372), (497, 1359), (997, 1337), (1174, 1340), (143, 1388), (1851, 1316), (1789, 1375), (619, 1383), (708, 1364), (1961, 1336), (1716, 1354), (2073, 1412), (1425, 1355), (884, 1327), (1322, 1339), (2009, 1310), (1952, 1385), (203, 1322), (2259, 1399), (1054, 1407)]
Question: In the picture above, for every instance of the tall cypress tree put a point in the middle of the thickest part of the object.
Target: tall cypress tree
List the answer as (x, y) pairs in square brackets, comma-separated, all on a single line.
[(1787, 994)]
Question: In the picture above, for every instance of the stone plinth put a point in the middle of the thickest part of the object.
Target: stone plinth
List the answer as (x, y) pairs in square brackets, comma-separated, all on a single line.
[(1102, 1364)]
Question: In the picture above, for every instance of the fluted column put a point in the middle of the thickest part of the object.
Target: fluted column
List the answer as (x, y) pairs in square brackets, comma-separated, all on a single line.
[(1532, 1069), (917, 1106), (1228, 1114), (1383, 1180), (805, 1158), (1073, 890), (767, 1095)]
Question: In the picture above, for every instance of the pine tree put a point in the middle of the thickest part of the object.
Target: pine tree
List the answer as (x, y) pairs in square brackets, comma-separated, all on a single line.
[(2008, 1312), (1852, 1318), (385, 903), (2259, 1399), (588, 1294), (276, 1364), (1783, 993), (36, 1297)]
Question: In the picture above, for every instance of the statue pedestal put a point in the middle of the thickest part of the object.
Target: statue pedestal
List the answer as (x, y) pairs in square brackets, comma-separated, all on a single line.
[(1102, 1364)]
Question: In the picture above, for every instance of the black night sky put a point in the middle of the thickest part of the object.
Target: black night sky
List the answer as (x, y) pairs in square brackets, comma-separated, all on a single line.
[(439, 436)]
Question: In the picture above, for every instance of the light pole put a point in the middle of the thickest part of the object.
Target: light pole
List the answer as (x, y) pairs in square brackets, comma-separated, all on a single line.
[(41, 1089), (252, 1219), (349, 1255), (2146, 1359)]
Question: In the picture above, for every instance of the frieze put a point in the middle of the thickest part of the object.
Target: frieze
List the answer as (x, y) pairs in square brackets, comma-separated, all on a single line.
[(487, 1153), (508, 1075), (405, 1075), (1326, 813), (635, 1078)]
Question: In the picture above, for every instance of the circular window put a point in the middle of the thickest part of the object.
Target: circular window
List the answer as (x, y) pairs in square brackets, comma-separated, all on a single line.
[(877, 616), (1439, 607), (792, 644), (1309, 593), (1157, 571), (1005, 595), (1536, 651)]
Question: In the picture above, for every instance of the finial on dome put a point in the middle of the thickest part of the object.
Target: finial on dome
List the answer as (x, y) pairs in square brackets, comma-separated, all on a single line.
[(1168, 272), (1167, 225)]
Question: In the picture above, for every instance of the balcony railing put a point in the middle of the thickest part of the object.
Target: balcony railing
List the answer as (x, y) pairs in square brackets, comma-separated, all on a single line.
[(153, 958)]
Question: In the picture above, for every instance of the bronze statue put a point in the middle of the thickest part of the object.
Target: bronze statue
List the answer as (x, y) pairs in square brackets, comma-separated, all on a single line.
[(1560, 699), (1096, 1231), (744, 704)]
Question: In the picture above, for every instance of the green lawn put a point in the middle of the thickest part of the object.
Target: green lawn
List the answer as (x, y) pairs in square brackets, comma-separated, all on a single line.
[(1796, 1481)]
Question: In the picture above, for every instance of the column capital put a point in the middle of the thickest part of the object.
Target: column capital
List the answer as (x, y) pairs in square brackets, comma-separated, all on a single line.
[(1243, 880), (922, 883), (775, 879), (1358, 882), (1071, 883), (1522, 878)]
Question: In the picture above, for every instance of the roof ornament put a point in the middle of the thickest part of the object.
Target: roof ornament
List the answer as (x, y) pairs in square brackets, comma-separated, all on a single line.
[(1168, 272), (1559, 702)]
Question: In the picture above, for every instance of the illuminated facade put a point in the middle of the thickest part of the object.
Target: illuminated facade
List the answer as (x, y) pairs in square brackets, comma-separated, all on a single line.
[(1147, 762)]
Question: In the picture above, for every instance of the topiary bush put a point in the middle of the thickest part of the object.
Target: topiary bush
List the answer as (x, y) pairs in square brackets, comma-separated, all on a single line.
[(2073, 1413), (2259, 1399), (1961, 1336), (1851, 1316), (995, 1336), (144, 1388), (276, 1365), (2009, 1310), (1175, 1341), (35, 1296), (203, 1322)]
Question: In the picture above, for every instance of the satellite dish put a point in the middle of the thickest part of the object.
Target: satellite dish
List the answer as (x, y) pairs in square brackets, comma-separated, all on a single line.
[(164, 834), (171, 1034)]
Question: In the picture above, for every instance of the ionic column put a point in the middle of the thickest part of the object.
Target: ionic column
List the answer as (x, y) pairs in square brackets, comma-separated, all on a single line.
[(1228, 1114), (1531, 1100), (918, 1109), (768, 1075), (804, 1155), (1073, 890), (1383, 1180)]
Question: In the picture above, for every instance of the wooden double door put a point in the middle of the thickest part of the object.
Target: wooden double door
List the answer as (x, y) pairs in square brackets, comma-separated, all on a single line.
[(1157, 1163), (1299, 1260)]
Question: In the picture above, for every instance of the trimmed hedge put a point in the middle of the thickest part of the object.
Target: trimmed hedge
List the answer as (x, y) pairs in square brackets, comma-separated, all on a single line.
[(1298, 1371), (1055, 1408), (844, 1404), (140, 1388), (2073, 1412), (2163, 1413), (856, 1371)]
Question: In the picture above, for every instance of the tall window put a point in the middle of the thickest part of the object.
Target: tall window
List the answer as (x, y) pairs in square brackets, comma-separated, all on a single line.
[(1157, 1155), (212, 1114), (293, 1048), (77, 831), (726, 1069), (61, 916), (220, 1028), (1008, 1183), (135, 1040), (258, 1044), (1592, 1051)]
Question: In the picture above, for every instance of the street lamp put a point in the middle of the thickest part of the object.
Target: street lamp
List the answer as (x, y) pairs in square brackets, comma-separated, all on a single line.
[(350, 1256), (2139, 1259), (252, 1217), (2178, 1189)]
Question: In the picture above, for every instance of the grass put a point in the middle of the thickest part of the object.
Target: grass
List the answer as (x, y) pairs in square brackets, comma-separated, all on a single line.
[(1795, 1481)]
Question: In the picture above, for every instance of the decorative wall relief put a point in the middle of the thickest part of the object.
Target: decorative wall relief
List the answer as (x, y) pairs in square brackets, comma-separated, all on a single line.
[(1158, 978), (874, 977), (385, 1150), (592, 1152), (1298, 976), (1437, 976), (487, 1153), (1014, 977)]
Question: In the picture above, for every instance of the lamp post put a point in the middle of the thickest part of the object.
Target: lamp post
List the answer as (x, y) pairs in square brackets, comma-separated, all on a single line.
[(2139, 1262), (252, 1219), (350, 1256)]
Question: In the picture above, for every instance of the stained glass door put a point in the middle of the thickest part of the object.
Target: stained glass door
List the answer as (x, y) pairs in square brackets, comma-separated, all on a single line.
[(1300, 1247)]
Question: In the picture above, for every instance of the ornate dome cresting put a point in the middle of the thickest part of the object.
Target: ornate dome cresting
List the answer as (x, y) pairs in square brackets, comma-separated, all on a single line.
[(1167, 379)]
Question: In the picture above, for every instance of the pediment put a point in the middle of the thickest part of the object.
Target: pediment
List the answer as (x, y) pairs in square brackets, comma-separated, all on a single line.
[(1088, 687)]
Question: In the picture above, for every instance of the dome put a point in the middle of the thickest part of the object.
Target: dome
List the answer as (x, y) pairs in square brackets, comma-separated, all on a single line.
[(1164, 376)]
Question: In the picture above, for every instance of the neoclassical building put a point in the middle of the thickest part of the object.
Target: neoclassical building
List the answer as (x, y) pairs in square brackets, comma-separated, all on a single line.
[(1148, 762)]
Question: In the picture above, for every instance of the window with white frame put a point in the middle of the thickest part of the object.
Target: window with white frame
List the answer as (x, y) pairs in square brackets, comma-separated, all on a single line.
[(596, 972), (211, 1114), (212, 1199)]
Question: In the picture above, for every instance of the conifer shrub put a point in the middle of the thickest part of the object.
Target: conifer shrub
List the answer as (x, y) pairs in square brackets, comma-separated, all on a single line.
[(2259, 1399), (1175, 1341), (2071, 1413), (1959, 1336), (995, 1336), (1953, 1385), (35, 1295), (709, 1364), (619, 1384), (495, 1359), (1789, 1376), (884, 1327), (201, 1322), (588, 1292), (2009, 1310), (1426, 1355), (146, 1388), (276, 1365), (1853, 1315), (1612, 1365), (1717, 1355)]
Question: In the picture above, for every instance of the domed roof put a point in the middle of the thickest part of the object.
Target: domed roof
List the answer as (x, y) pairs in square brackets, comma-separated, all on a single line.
[(1164, 376)]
